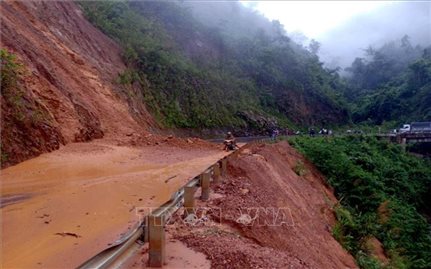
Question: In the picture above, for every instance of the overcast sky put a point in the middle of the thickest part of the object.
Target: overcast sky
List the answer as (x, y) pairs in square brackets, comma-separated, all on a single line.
[(345, 28), (313, 18)]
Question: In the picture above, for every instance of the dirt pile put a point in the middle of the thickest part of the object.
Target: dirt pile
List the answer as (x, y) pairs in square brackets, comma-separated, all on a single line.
[(146, 139), (264, 215), (68, 82)]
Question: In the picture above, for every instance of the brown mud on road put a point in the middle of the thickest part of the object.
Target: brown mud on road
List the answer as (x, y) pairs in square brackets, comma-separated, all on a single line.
[(72, 203), (265, 215)]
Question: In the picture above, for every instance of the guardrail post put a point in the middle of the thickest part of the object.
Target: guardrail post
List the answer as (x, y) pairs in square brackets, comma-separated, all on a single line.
[(216, 173), (146, 229), (223, 167), (189, 199), (205, 186), (157, 251)]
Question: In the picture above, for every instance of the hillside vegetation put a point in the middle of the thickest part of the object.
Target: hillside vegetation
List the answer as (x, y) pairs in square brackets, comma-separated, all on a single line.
[(218, 65), (384, 193), (391, 83)]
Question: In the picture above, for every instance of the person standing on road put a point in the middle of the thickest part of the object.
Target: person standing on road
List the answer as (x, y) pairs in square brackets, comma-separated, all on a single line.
[(312, 132), (274, 133)]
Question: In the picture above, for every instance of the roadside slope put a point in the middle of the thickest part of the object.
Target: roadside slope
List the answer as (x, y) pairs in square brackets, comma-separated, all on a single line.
[(67, 92), (263, 177)]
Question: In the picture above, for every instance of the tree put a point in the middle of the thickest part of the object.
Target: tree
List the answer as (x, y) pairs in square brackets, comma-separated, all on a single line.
[(314, 46)]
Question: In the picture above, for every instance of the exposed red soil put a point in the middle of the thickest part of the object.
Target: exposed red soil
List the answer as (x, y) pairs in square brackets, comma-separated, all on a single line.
[(70, 69), (263, 176), (375, 248), (135, 139)]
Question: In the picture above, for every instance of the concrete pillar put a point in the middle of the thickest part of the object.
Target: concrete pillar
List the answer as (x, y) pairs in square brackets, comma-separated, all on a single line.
[(205, 185), (189, 199), (216, 173), (404, 143), (157, 240), (223, 167)]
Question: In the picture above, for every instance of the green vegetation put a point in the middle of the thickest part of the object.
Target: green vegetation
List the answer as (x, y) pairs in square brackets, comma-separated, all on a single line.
[(21, 108), (392, 83), (300, 169), (213, 72), (11, 71), (383, 192)]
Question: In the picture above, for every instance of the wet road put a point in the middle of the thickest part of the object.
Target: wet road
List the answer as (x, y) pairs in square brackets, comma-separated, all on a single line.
[(61, 208)]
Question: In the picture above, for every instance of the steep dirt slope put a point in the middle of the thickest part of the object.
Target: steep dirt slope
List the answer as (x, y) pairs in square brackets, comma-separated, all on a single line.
[(245, 228), (67, 92)]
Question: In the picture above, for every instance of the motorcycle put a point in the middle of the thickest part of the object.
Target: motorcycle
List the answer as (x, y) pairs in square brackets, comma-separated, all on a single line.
[(230, 145)]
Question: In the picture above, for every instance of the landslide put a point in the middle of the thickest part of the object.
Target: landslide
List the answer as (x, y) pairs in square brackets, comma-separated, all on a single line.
[(67, 90), (262, 177)]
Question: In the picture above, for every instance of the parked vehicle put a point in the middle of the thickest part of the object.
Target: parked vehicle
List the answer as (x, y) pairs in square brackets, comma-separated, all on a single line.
[(420, 127), (416, 127)]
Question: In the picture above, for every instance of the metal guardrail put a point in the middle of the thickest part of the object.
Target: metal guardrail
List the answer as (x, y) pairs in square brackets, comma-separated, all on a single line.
[(152, 228)]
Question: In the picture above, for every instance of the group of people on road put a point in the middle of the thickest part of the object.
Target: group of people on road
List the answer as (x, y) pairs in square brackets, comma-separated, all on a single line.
[(323, 131), (230, 141)]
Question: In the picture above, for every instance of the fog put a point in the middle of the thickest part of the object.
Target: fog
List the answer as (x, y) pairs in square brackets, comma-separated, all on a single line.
[(342, 45)]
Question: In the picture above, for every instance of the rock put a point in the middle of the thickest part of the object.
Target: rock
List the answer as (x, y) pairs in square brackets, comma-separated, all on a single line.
[(259, 156), (244, 191), (189, 141), (246, 152)]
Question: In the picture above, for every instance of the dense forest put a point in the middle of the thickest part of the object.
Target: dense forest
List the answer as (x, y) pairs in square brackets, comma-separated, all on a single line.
[(215, 65), (391, 83), (219, 65), (384, 193)]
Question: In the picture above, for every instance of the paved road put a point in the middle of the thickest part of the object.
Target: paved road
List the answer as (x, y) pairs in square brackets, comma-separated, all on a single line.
[(64, 207)]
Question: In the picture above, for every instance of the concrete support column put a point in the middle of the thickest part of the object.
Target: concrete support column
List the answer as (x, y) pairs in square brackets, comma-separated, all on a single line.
[(157, 240), (189, 199), (216, 175), (205, 185), (404, 143)]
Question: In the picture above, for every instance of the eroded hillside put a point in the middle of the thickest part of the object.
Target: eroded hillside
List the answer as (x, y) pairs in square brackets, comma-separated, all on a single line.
[(274, 210), (221, 74), (66, 89)]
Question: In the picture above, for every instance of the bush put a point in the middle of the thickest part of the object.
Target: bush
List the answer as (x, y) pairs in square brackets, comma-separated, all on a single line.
[(382, 191)]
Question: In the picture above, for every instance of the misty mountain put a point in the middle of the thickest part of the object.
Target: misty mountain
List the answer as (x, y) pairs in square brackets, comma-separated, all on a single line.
[(218, 65), (391, 83), (389, 22)]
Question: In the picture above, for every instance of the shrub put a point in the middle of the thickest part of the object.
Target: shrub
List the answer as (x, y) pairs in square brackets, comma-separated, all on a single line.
[(382, 191)]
